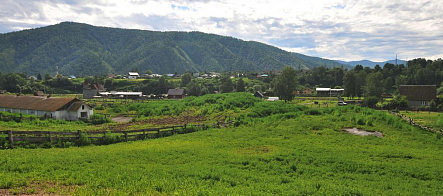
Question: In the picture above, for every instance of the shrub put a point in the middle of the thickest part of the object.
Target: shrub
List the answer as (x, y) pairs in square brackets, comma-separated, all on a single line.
[(84, 140), (360, 121), (370, 101), (98, 119)]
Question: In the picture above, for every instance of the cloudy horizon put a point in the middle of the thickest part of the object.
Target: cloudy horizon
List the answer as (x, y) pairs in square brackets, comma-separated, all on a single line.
[(347, 30)]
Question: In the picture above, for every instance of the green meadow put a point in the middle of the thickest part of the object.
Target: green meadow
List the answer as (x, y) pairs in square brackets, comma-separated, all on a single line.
[(272, 148)]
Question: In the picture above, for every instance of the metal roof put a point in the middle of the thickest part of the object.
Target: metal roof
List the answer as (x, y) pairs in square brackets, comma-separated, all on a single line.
[(35, 102)]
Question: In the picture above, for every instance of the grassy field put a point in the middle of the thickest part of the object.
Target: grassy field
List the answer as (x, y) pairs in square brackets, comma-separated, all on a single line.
[(275, 148), (428, 119)]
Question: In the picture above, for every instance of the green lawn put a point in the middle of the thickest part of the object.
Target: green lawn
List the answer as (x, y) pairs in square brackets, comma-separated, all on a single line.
[(276, 149)]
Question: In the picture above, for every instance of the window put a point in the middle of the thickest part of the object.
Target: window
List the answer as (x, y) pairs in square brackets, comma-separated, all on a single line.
[(83, 107), (424, 103), (84, 115)]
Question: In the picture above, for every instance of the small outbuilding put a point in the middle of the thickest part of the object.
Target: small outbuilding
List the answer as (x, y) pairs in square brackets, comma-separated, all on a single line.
[(307, 91), (176, 94)]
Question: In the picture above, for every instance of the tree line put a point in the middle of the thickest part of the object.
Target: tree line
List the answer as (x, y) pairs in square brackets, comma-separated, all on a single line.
[(358, 82)]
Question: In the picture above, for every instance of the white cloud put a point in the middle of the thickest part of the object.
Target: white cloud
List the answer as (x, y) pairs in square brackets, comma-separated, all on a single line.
[(336, 29)]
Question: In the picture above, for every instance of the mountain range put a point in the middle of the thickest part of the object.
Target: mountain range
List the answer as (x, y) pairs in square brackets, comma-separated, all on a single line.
[(371, 64), (81, 49)]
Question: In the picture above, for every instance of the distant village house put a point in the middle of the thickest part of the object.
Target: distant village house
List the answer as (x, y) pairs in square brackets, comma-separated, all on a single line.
[(133, 75), (91, 90)]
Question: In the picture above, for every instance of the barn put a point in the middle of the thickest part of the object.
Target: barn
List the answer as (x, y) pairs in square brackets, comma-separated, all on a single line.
[(52, 107), (419, 95)]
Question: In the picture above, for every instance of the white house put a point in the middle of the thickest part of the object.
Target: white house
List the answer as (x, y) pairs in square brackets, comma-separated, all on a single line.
[(52, 107), (133, 75)]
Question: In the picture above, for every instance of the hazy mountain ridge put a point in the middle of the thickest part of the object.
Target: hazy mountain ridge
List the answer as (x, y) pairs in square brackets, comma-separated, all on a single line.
[(81, 49), (371, 64)]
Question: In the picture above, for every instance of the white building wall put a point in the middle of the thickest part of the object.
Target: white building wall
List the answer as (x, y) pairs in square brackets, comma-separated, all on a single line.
[(62, 115)]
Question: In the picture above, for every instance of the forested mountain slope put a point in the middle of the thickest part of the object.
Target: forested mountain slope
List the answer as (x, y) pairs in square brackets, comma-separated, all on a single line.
[(81, 49)]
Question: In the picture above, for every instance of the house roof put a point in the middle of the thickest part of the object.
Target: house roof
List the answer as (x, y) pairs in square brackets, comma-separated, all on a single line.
[(323, 89), (329, 89), (93, 86), (130, 93), (75, 106), (176, 92), (258, 93), (418, 92), (133, 74), (35, 102)]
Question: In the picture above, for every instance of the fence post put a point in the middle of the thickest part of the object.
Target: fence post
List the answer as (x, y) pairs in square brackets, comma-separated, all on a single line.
[(79, 133), (50, 139), (144, 134), (158, 133), (11, 139), (173, 130), (126, 136)]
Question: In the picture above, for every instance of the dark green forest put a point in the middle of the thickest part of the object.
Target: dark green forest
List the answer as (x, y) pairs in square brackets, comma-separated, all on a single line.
[(85, 50)]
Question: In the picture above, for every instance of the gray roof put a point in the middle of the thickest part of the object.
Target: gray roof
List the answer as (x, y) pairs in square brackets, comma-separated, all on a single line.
[(176, 91), (418, 92)]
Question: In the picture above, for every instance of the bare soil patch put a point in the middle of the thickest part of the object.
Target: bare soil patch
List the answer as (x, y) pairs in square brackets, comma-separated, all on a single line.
[(362, 132), (4, 192), (122, 119)]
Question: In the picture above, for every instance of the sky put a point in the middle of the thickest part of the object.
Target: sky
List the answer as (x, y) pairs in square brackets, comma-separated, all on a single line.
[(347, 30)]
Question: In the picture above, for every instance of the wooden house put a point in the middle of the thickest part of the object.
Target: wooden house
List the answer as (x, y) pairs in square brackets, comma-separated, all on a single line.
[(307, 91), (419, 95), (176, 94)]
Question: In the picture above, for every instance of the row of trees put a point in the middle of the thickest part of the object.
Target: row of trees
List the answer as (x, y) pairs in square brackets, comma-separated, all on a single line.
[(357, 82)]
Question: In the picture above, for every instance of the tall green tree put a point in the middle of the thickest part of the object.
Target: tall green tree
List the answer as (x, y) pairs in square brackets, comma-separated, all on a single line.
[(349, 83), (374, 85), (226, 85), (285, 84), (13, 82), (39, 77), (193, 89), (240, 85), (360, 83), (186, 79)]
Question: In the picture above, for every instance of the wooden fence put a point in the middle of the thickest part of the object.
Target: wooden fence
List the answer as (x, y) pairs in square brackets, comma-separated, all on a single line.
[(80, 138)]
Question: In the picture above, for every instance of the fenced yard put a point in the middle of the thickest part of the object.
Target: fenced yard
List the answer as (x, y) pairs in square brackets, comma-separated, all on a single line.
[(10, 139)]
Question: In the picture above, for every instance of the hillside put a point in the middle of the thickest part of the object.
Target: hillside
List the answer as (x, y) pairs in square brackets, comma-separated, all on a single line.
[(81, 49)]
